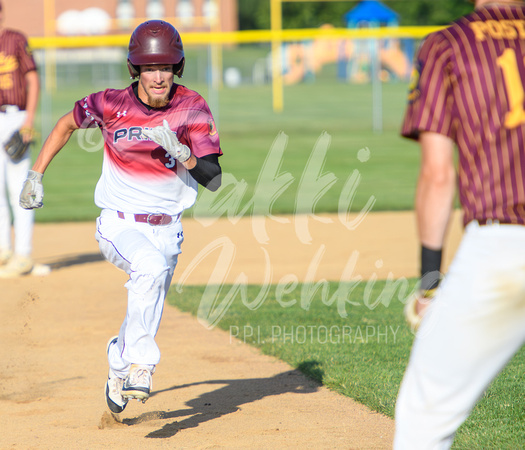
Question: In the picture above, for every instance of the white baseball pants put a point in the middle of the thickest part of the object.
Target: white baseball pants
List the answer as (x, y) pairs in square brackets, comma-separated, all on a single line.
[(148, 254), (12, 177), (474, 326)]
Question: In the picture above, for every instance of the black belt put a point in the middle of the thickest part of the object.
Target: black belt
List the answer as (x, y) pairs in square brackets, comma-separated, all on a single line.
[(483, 222), (5, 108)]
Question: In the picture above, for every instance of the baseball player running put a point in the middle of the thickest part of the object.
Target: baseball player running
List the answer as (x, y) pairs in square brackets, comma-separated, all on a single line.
[(468, 92), (160, 140), (19, 91)]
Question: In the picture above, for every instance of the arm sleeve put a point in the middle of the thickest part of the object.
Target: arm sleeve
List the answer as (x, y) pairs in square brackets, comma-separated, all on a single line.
[(202, 136), (89, 111), (208, 172)]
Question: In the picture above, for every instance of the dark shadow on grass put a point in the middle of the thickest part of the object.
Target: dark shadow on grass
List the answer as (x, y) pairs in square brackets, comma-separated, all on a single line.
[(312, 369), (73, 260), (224, 400)]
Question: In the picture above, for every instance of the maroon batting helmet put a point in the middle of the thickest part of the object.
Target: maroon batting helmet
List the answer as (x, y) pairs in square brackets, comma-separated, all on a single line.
[(155, 42)]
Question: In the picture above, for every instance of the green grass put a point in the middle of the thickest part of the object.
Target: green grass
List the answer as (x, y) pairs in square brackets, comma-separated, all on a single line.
[(365, 355), (248, 127), (344, 113)]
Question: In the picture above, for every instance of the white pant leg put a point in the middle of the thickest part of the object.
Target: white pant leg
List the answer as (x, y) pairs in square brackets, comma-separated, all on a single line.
[(5, 214), (23, 219), (474, 327), (149, 255), (12, 177)]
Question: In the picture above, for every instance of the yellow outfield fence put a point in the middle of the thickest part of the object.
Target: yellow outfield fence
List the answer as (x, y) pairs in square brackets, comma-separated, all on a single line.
[(277, 37), (240, 37)]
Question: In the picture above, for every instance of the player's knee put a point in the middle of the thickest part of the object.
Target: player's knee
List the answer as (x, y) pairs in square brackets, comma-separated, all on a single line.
[(149, 272), (154, 265)]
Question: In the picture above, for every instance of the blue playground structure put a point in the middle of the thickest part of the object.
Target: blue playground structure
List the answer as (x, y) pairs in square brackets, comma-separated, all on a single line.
[(357, 59)]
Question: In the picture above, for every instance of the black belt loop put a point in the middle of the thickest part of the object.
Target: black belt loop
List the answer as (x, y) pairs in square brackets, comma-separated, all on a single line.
[(6, 108), (483, 222)]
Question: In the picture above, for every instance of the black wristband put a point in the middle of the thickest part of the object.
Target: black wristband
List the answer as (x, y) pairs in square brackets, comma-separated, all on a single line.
[(430, 268)]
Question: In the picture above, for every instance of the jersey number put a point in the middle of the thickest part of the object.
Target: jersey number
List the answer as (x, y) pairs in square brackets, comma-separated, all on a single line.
[(514, 86), (171, 163), (6, 81)]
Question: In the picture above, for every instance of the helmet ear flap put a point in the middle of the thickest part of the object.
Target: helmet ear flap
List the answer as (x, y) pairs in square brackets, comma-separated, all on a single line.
[(133, 70), (179, 68)]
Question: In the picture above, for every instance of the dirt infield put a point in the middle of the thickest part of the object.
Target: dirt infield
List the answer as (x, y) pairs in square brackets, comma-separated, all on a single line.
[(210, 391)]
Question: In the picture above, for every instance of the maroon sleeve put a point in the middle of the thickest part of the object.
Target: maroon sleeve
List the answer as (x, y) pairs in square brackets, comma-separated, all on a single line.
[(17, 61), (202, 135), (24, 55), (89, 112), (430, 99)]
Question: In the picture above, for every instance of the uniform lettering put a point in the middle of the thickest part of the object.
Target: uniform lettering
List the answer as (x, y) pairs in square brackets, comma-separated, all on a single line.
[(495, 29), (6, 81), (8, 63), (128, 133), (520, 26), (498, 29), (508, 29), (119, 134), (134, 132)]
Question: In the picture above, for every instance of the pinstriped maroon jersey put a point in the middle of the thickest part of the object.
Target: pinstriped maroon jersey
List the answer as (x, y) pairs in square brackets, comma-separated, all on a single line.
[(15, 61), (469, 84)]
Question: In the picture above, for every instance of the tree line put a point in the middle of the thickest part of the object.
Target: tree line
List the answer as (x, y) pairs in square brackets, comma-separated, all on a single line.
[(255, 14)]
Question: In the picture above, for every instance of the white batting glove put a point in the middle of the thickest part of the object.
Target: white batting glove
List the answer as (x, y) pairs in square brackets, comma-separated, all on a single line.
[(167, 139), (33, 191)]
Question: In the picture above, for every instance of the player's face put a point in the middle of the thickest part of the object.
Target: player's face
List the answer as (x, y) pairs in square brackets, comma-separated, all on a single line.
[(155, 83)]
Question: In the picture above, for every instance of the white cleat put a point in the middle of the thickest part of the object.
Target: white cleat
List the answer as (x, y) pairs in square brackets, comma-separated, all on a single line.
[(138, 383), (5, 256), (116, 402), (16, 267)]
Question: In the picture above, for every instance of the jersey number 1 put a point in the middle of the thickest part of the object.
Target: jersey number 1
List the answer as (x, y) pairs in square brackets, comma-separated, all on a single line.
[(514, 86)]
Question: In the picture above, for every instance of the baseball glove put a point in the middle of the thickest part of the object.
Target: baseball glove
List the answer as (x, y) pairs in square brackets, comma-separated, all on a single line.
[(412, 317), (15, 147)]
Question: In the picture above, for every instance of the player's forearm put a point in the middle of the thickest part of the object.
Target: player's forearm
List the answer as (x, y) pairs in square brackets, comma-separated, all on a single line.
[(33, 91), (56, 140), (190, 163), (435, 189), (207, 172), (434, 202)]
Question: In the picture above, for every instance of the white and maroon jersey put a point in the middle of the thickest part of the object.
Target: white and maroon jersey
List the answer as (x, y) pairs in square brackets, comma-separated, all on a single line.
[(138, 176)]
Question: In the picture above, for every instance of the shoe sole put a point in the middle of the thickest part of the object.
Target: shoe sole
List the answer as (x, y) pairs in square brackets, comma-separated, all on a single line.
[(15, 274), (135, 394)]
